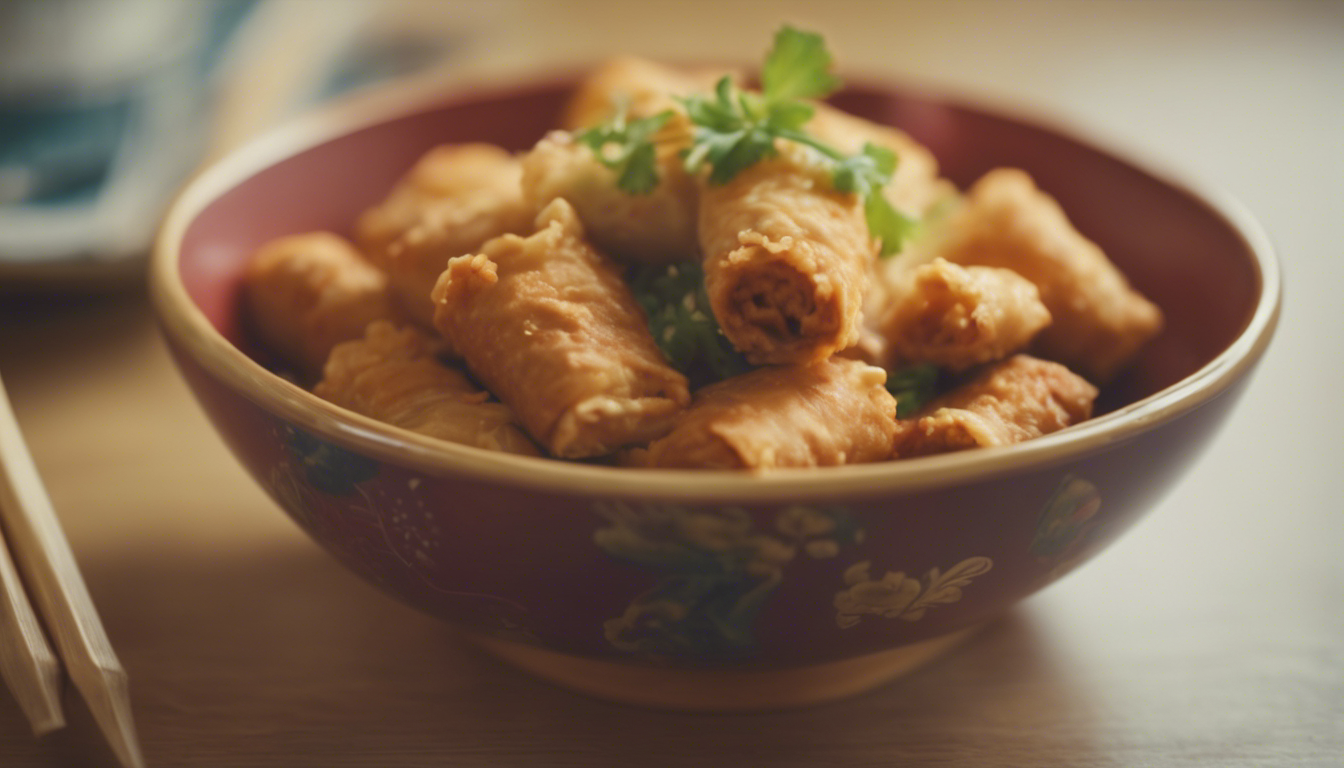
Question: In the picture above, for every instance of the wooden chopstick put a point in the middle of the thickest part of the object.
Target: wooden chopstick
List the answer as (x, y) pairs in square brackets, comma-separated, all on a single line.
[(30, 669), (48, 569)]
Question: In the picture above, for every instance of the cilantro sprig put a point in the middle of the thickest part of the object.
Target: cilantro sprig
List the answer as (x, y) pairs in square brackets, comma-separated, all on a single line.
[(913, 386), (682, 324), (733, 130), (627, 147), (737, 129)]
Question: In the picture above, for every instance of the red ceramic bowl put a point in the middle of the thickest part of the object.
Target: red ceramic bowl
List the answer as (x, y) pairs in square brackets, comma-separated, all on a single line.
[(712, 590)]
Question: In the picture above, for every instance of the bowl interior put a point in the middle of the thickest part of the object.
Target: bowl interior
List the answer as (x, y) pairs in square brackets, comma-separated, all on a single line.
[(1175, 248)]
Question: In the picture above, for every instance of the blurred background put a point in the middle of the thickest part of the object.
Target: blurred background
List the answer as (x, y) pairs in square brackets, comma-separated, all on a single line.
[(1212, 634), (107, 105)]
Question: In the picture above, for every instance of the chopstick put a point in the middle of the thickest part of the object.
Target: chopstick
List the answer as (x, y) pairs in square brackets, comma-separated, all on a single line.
[(30, 669), (48, 569)]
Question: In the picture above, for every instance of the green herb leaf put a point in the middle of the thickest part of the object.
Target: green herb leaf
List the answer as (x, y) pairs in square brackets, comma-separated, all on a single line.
[(887, 224), (682, 324), (913, 387), (627, 147), (865, 174), (797, 67)]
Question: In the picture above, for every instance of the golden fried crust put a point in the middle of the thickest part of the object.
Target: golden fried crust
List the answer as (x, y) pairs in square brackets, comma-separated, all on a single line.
[(959, 317), (1011, 401), (550, 327), (393, 375), (304, 294), (657, 227), (786, 260), (1100, 322), (641, 87), (833, 412), (454, 199)]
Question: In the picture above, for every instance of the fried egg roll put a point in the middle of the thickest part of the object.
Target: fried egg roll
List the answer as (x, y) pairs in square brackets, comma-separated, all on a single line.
[(657, 227), (639, 87), (454, 198), (550, 327), (1100, 322), (393, 375), (786, 259), (831, 412), (304, 294), (1008, 402), (959, 317)]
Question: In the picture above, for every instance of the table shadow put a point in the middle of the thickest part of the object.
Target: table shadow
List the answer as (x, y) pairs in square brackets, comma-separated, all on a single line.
[(278, 656)]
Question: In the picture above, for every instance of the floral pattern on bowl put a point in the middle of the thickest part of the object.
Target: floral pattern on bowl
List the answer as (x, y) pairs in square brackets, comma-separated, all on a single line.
[(715, 571), (896, 595)]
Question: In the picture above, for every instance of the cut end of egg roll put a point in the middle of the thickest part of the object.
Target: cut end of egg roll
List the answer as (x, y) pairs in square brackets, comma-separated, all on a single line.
[(960, 317), (1100, 321), (786, 260)]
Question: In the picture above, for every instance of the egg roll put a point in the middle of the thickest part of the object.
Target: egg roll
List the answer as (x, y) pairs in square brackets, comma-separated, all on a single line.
[(304, 294), (827, 413), (786, 259), (452, 200), (394, 375), (638, 87), (959, 317), (549, 326), (657, 227), (1100, 322), (1008, 402)]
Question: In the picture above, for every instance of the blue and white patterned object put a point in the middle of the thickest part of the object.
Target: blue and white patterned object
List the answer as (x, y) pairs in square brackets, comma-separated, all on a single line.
[(106, 106), (103, 110)]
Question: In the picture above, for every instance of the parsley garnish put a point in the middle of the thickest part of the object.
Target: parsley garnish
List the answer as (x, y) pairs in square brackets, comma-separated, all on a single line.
[(734, 129), (632, 156), (674, 298), (913, 386)]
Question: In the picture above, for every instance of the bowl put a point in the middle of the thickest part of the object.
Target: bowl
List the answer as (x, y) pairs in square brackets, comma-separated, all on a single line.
[(713, 590)]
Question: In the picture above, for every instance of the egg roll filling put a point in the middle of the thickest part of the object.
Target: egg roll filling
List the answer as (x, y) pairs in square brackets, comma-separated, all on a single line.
[(786, 261), (959, 317)]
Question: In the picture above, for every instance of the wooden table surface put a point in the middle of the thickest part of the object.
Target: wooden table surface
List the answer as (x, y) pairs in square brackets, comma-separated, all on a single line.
[(1210, 635)]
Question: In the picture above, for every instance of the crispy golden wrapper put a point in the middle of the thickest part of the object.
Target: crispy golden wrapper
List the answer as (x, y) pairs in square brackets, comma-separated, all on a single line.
[(552, 329), (304, 294), (1100, 322), (640, 87), (1010, 401), (828, 413), (455, 198), (657, 227), (959, 317), (393, 375), (786, 259)]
